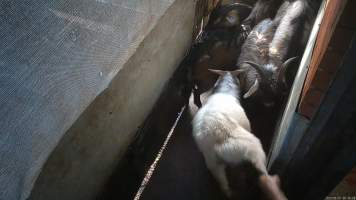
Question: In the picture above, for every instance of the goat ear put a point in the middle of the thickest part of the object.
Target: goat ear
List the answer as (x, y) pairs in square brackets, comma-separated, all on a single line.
[(252, 90), (238, 72), (218, 72)]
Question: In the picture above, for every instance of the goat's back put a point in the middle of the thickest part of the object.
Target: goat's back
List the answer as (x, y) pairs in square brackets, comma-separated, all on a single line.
[(221, 111), (221, 124), (256, 45)]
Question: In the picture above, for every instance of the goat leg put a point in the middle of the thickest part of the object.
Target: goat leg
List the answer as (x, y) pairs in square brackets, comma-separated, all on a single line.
[(196, 94)]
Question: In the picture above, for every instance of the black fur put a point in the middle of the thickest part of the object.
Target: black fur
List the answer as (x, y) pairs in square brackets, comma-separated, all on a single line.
[(285, 40)]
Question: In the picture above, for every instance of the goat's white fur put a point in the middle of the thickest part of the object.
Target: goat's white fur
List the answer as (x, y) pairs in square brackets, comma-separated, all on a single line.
[(222, 132)]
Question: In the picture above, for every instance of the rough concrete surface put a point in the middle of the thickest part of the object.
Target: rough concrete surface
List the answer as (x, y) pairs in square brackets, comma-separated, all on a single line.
[(55, 58), (87, 155)]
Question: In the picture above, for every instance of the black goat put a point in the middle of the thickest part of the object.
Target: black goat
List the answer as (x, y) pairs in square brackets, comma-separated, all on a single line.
[(264, 9), (266, 49)]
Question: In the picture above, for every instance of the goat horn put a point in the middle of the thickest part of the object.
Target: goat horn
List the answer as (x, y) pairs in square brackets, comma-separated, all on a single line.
[(237, 5), (258, 68), (233, 6), (284, 67), (218, 72)]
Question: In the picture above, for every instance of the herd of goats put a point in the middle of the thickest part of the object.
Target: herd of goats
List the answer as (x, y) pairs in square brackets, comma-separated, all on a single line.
[(254, 48)]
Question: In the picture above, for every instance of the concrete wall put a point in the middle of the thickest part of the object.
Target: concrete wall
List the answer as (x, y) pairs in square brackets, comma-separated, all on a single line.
[(87, 155), (56, 58)]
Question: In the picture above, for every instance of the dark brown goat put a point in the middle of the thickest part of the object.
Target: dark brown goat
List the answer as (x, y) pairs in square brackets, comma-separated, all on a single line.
[(225, 19), (264, 55), (228, 15), (219, 55), (216, 49)]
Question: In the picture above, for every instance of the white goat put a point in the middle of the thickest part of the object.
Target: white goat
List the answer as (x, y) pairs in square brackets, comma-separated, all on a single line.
[(222, 131)]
